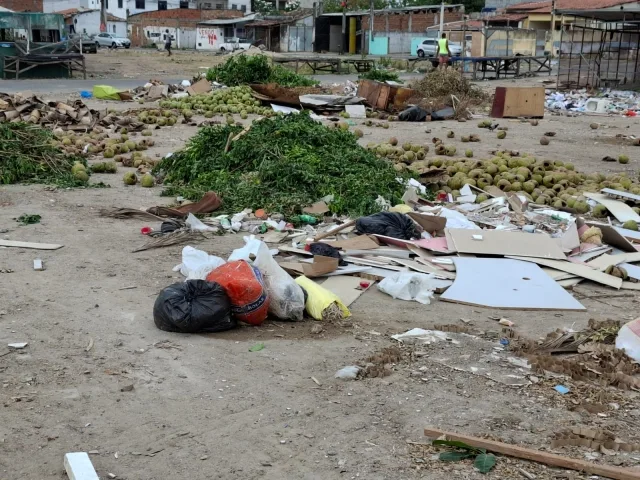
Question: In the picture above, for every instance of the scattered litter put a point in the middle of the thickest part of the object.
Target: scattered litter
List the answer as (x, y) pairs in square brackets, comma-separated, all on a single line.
[(410, 286), (348, 373), (79, 467), (257, 347), (561, 389), (17, 345), (421, 336)]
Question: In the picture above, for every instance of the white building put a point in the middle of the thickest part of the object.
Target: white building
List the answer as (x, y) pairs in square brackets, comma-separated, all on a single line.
[(243, 5), (119, 8)]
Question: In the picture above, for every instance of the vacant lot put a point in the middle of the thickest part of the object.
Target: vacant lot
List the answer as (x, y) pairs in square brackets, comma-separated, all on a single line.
[(204, 406)]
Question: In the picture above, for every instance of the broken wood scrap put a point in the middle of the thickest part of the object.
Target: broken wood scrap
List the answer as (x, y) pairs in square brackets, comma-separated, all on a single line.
[(172, 238), (124, 212), (546, 458), (333, 231)]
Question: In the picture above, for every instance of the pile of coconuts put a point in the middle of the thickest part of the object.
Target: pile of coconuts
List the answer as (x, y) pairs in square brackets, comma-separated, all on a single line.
[(544, 182)]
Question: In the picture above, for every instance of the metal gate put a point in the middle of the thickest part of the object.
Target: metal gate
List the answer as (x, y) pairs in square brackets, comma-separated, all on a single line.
[(541, 36)]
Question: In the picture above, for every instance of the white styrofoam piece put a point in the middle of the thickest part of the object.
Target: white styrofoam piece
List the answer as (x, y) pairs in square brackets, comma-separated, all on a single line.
[(79, 467), (356, 111), (507, 283)]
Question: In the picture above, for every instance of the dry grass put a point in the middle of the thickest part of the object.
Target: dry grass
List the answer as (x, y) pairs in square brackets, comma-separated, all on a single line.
[(444, 82)]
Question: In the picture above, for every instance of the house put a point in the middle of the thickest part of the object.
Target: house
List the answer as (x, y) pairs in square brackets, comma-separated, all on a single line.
[(118, 8), (151, 27), (539, 15), (395, 30), (243, 5), (289, 32), (211, 34), (80, 20)]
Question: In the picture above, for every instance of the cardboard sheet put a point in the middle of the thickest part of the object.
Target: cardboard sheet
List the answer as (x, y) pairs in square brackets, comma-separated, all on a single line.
[(500, 242), (320, 266), (583, 271), (603, 261), (618, 209), (507, 284), (632, 270), (394, 241), (346, 287), (613, 238), (430, 223), (630, 234), (423, 268), (361, 242), (437, 244)]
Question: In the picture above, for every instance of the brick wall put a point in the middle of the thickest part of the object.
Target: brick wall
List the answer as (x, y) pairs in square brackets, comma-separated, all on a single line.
[(23, 5), (419, 21), (174, 18)]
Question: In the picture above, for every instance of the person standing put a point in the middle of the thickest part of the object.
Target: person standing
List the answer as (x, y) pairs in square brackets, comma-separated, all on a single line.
[(443, 51), (167, 44)]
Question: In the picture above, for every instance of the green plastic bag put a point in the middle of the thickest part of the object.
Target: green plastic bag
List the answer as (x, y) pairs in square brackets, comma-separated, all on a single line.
[(105, 92)]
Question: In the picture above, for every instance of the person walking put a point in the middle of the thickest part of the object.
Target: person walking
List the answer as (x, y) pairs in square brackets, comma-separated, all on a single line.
[(167, 44), (443, 51)]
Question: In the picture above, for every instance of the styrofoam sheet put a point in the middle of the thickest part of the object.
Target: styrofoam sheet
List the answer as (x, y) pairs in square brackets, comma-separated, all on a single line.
[(508, 284)]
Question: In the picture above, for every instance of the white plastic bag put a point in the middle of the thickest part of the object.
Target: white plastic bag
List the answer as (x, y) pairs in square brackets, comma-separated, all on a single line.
[(196, 225), (196, 264), (287, 297), (409, 286)]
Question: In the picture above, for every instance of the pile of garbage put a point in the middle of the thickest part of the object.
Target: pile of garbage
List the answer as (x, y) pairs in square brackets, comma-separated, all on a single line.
[(17, 108), (281, 164), (607, 101)]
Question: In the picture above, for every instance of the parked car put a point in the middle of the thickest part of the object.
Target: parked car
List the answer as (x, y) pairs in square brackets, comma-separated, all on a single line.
[(111, 40), (234, 43), (429, 48), (88, 44)]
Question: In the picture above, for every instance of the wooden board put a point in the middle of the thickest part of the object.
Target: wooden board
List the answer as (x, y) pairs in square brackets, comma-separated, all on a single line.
[(579, 270), (507, 284), (381, 252), (557, 275), (500, 242), (540, 456), (632, 270), (36, 246), (346, 287), (514, 102), (618, 209), (361, 242)]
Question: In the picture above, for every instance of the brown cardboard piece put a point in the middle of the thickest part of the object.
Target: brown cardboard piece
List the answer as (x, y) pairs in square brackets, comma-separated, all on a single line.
[(317, 208), (430, 223), (158, 91), (361, 242), (200, 87), (320, 266)]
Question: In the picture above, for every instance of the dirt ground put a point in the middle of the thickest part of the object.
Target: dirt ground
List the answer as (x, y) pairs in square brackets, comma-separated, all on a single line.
[(204, 406)]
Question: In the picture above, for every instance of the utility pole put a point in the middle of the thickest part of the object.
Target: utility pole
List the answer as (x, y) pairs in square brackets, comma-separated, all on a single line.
[(371, 19), (553, 23), (103, 16), (441, 19)]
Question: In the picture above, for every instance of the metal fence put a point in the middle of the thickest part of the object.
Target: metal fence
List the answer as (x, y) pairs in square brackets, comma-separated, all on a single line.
[(598, 57)]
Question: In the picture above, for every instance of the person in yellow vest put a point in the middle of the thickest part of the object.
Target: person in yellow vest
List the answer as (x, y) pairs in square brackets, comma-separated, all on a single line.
[(443, 51)]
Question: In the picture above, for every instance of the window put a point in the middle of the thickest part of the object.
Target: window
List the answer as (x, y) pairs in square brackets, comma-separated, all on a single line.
[(184, 4), (140, 4), (219, 6), (234, 6), (243, 8), (162, 4), (106, 4), (120, 4), (114, 29)]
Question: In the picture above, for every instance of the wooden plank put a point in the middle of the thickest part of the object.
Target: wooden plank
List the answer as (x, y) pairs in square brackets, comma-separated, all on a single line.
[(297, 251), (540, 456), (335, 230), (351, 269), (500, 242), (507, 284), (620, 210), (36, 246), (346, 287), (381, 252), (371, 263), (579, 270)]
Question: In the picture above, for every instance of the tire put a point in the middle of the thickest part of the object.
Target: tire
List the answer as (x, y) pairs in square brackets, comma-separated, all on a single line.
[(113, 45), (127, 47), (97, 45), (222, 49), (421, 53)]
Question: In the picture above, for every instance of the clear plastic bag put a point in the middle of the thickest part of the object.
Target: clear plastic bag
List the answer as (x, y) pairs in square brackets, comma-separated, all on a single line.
[(196, 264), (287, 298), (409, 286)]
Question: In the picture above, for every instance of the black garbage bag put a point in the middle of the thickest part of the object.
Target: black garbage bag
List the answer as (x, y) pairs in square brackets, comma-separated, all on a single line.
[(192, 307), (413, 114), (390, 224), (325, 250)]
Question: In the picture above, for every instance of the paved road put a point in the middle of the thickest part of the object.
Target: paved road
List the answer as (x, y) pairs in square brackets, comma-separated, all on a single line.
[(67, 86)]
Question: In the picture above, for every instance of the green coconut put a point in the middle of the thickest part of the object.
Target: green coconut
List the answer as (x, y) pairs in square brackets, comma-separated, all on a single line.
[(81, 175), (630, 225), (147, 180), (130, 178), (501, 134), (624, 159)]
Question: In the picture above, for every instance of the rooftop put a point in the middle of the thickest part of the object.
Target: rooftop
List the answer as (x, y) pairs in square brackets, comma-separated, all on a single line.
[(419, 8), (545, 6)]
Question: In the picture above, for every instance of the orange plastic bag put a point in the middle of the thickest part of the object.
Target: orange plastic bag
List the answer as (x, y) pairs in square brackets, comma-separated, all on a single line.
[(245, 288)]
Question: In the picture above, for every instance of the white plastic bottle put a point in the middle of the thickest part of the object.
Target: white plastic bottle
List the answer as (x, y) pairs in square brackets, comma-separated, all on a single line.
[(628, 339)]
